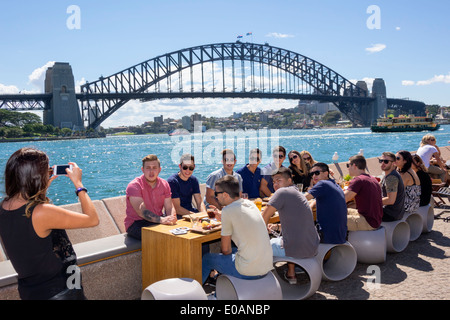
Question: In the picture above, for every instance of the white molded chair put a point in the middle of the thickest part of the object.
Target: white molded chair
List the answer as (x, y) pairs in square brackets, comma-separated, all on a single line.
[(397, 235), (174, 289), (370, 246), (300, 291), (415, 223), (232, 288), (337, 261), (427, 214)]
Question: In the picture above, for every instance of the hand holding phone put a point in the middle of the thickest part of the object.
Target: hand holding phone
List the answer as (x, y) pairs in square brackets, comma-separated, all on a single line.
[(60, 170)]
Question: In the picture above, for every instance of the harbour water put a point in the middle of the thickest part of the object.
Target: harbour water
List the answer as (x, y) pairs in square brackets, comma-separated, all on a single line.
[(110, 163)]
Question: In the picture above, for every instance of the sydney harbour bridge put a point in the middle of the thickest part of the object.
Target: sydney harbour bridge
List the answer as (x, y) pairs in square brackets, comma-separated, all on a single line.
[(223, 70)]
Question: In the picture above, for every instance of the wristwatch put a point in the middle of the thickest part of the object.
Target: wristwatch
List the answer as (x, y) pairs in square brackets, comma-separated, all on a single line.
[(79, 190)]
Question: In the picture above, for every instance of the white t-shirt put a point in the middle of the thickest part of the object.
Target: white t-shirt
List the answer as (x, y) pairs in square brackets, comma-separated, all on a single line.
[(425, 153), (244, 223)]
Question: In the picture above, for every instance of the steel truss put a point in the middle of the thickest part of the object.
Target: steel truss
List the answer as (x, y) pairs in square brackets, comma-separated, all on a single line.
[(222, 70)]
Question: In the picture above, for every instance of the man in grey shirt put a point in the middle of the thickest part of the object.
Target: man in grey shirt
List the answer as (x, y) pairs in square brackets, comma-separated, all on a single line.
[(228, 160), (300, 239), (392, 188)]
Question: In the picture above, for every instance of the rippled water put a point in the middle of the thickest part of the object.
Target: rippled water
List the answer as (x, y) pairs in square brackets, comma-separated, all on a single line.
[(110, 163)]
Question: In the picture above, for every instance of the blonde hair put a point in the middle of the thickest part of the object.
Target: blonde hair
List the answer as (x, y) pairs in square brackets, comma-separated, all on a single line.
[(312, 161), (426, 138)]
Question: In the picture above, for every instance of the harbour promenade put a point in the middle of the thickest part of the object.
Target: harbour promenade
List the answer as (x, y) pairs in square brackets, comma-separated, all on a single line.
[(420, 272)]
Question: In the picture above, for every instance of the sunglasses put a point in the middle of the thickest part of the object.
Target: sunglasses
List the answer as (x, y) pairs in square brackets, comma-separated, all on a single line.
[(398, 158), (191, 168), (315, 173), (293, 157), (307, 158), (254, 159), (349, 164), (216, 193), (280, 156), (385, 161), (228, 159)]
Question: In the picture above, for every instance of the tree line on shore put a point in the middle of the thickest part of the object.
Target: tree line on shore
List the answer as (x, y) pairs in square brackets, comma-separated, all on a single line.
[(14, 124)]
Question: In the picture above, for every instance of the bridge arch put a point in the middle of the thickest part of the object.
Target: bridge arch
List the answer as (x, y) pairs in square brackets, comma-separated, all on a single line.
[(300, 74)]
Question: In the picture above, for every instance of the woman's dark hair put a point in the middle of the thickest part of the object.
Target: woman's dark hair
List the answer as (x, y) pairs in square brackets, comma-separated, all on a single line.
[(27, 174), (406, 155)]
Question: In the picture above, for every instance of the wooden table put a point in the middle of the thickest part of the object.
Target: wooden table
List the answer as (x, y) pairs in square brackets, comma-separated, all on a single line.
[(165, 255)]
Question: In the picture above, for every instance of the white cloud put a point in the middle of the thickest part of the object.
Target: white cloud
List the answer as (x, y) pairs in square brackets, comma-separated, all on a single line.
[(279, 35), (37, 77), (376, 48), (436, 79), (4, 89), (408, 83), (397, 28)]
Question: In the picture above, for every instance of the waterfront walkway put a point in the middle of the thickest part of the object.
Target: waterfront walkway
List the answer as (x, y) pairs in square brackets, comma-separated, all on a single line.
[(420, 272)]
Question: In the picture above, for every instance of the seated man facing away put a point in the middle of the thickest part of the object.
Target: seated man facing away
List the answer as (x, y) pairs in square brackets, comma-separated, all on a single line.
[(184, 186), (243, 224), (330, 204), (366, 191), (300, 239), (393, 190), (147, 197)]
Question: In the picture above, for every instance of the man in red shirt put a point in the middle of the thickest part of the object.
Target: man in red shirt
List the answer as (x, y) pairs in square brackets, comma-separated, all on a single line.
[(147, 196), (366, 191)]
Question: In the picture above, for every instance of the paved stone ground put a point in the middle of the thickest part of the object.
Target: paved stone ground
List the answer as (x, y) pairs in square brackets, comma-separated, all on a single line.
[(420, 272)]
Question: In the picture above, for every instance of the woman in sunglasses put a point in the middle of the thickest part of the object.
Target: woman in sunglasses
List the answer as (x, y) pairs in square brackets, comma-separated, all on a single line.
[(307, 157), (299, 169), (403, 162), (185, 187)]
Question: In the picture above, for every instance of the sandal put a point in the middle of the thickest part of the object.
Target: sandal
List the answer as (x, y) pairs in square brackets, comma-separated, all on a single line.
[(291, 280)]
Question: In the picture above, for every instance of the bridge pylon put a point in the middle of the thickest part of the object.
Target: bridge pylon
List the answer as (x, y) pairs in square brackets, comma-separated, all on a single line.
[(63, 111)]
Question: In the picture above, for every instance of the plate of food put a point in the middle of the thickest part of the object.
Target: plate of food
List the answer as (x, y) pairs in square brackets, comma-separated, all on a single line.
[(207, 226)]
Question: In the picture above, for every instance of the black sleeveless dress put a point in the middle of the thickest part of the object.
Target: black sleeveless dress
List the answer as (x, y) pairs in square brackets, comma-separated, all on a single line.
[(40, 270)]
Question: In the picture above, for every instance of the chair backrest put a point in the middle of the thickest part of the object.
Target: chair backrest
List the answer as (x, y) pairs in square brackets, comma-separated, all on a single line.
[(105, 228), (117, 207)]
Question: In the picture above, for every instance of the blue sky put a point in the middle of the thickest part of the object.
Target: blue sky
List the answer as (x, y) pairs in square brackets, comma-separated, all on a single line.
[(410, 49)]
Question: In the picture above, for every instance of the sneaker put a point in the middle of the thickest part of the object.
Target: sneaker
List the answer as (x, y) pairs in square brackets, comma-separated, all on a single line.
[(289, 279)]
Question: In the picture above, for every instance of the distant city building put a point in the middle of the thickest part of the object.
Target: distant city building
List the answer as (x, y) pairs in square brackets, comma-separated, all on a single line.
[(186, 122), (196, 117), (159, 119)]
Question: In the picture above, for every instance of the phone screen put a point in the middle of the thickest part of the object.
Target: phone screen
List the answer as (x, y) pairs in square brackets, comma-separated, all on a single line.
[(61, 169)]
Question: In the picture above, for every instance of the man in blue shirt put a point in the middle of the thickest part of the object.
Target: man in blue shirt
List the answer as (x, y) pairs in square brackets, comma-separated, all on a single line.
[(279, 155), (251, 174), (185, 188), (330, 204)]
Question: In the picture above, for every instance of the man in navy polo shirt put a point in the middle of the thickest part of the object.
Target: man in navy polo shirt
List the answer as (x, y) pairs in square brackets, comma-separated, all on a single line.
[(184, 186), (330, 204), (251, 174)]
